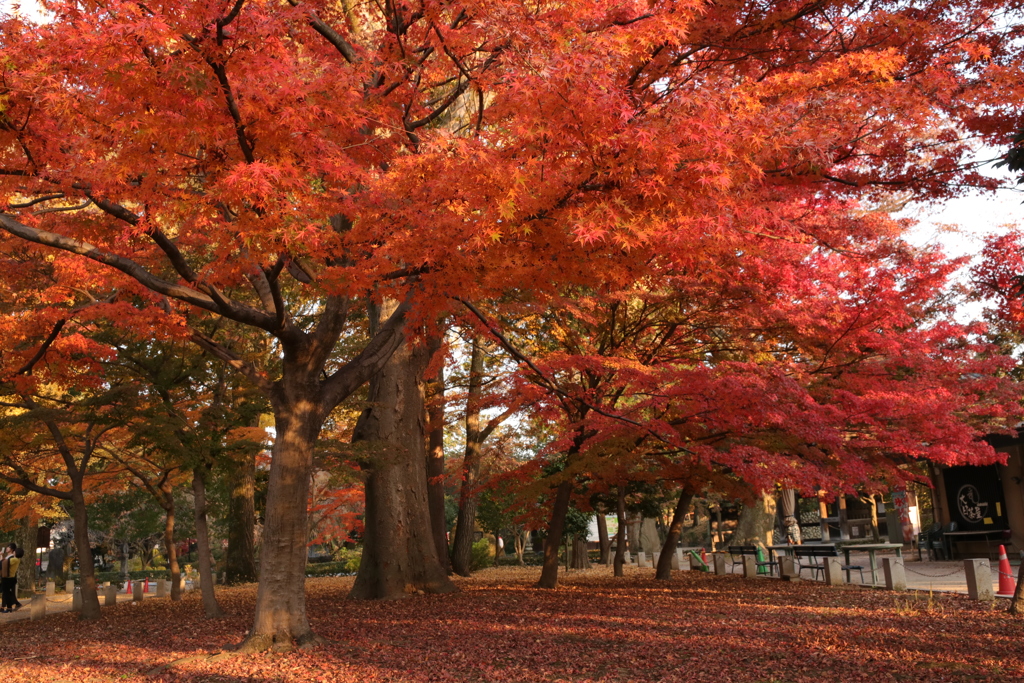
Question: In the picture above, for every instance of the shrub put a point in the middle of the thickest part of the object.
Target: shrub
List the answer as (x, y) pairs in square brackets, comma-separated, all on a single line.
[(482, 556)]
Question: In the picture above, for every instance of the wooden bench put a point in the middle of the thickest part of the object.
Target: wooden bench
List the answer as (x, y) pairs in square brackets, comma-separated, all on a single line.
[(738, 552), (811, 556)]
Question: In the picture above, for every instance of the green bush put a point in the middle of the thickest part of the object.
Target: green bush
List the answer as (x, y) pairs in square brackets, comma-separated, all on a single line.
[(346, 563), (481, 555)]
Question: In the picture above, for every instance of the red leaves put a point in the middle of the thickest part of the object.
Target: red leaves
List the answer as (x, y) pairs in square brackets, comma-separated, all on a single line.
[(696, 628)]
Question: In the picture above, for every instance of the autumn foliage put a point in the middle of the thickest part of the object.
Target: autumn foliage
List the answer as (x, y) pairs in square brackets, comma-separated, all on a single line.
[(669, 213)]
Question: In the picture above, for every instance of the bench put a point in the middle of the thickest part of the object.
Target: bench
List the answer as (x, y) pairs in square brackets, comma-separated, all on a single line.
[(810, 557), (738, 552)]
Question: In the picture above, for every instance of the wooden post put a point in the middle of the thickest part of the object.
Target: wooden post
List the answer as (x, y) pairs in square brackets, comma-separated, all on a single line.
[(844, 520), (979, 580), (37, 609), (833, 571), (895, 576)]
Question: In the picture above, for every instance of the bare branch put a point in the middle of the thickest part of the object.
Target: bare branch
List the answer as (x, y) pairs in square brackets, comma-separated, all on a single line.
[(26, 369), (233, 360)]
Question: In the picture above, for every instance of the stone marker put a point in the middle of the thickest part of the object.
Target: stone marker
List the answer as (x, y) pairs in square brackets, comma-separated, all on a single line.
[(182, 586), (979, 580), (51, 588), (788, 568), (674, 560), (161, 588), (37, 609), (719, 561), (749, 567), (136, 591), (833, 571), (109, 595), (642, 560), (69, 585), (895, 577), (656, 557), (76, 600), (106, 583)]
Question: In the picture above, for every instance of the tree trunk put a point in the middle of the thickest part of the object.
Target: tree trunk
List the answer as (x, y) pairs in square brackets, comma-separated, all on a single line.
[(1017, 603), (240, 560), (280, 620), (172, 549), (435, 465), (465, 524), (620, 534), (604, 545), (522, 535), (675, 529), (580, 558), (757, 523), (27, 568), (87, 573), (549, 573), (399, 554), (210, 605)]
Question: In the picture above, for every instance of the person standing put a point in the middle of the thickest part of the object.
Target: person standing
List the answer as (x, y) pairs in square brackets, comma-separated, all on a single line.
[(9, 579)]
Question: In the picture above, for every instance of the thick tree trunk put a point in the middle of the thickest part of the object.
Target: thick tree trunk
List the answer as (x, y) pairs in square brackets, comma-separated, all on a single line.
[(87, 573), (465, 524), (1017, 603), (580, 558), (240, 560), (399, 554), (172, 548), (210, 605), (280, 620), (675, 529), (620, 535), (27, 568), (435, 466), (549, 573), (604, 545), (756, 524)]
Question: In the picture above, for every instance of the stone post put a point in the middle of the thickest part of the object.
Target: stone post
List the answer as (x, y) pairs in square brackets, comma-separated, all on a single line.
[(719, 562), (37, 609), (895, 576), (788, 568), (656, 557), (76, 600), (109, 595), (674, 561), (69, 585), (136, 591), (642, 560), (749, 567), (161, 588), (51, 588), (833, 571), (979, 580), (626, 558)]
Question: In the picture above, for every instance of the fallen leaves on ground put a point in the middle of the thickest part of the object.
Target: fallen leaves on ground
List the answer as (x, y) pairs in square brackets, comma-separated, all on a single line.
[(696, 627)]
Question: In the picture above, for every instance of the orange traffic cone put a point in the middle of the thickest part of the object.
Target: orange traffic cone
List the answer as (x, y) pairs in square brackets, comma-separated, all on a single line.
[(1007, 584), (703, 557)]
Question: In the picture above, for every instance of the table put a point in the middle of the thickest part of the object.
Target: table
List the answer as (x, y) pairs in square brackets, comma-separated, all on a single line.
[(949, 542), (871, 549)]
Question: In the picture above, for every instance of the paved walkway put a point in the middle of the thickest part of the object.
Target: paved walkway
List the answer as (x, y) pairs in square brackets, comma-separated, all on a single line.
[(61, 602)]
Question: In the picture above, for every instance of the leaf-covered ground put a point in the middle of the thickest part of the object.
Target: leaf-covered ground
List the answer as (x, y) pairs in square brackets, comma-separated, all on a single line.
[(499, 628)]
